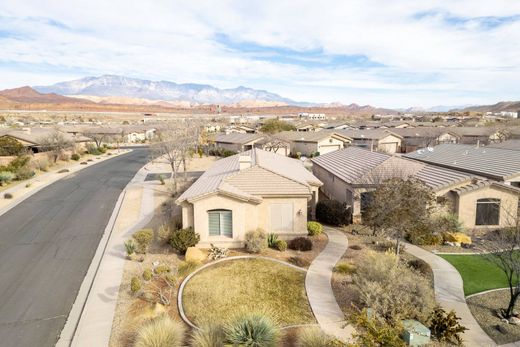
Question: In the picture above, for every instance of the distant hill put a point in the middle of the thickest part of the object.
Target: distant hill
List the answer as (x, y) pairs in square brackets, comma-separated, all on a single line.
[(29, 95), (120, 86), (508, 106)]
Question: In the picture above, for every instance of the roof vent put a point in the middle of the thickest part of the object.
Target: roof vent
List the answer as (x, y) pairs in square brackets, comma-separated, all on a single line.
[(244, 162)]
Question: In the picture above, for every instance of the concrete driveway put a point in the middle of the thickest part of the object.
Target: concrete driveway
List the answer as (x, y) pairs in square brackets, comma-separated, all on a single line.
[(47, 243)]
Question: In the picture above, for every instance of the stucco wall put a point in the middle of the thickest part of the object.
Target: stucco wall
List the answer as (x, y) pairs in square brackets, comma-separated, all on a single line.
[(328, 145), (305, 148)]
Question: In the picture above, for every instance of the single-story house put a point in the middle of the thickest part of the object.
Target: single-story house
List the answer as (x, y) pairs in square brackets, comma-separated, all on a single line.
[(423, 137), (275, 145), (34, 139), (380, 140), (350, 175), (137, 133), (498, 164), (251, 190), (477, 135), (240, 129), (237, 142), (338, 126), (315, 142)]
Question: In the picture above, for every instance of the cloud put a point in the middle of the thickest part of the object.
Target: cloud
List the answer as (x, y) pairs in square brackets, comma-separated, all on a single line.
[(407, 53)]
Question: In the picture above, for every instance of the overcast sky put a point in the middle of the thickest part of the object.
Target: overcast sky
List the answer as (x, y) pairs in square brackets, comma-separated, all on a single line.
[(383, 53)]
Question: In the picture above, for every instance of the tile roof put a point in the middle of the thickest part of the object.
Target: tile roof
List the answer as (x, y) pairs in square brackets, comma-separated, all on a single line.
[(308, 136), (269, 174), (360, 166), (368, 134), (237, 138), (495, 163), (37, 136), (509, 144)]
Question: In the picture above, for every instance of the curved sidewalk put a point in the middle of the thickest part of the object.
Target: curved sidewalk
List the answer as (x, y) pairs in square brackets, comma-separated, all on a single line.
[(449, 293), (319, 289)]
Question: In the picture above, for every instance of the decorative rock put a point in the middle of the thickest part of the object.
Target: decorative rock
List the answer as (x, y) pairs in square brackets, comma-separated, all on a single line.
[(504, 320), (194, 254), (155, 263), (514, 321)]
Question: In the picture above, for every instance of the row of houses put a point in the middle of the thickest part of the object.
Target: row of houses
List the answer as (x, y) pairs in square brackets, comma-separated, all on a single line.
[(260, 189)]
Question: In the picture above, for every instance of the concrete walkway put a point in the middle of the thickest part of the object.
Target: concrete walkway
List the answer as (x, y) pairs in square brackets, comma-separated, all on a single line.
[(319, 290), (449, 293)]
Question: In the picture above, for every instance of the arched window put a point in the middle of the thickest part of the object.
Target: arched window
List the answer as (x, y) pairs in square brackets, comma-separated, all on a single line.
[(488, 212), (220, 222)]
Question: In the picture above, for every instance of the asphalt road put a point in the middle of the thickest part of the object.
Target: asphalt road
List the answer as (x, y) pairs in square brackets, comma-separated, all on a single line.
[(46, 245)]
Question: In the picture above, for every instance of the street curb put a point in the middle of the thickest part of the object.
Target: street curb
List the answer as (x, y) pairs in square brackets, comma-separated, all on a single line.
[(18, 201)]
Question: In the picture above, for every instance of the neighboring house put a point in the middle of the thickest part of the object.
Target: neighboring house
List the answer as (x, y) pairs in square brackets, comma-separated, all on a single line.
[(307, 127), (240, 129), (312, 116), (237, 142), (250, 190), (338, 126), (422, 137), (352, 174), (477, 135), (135, 134), (315, 142), (34, 138), (502, 165), (275, 145), (374, 139)]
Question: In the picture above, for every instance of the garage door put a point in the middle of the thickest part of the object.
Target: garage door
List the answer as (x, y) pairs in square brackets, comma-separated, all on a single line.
[(388, 147), (329, 148)]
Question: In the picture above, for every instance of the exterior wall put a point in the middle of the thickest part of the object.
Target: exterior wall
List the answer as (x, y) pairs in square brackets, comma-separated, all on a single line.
[(390, 144), (305, 148), (329, 144), (467, 206), (246, 217), (230, 146), (333, 188)]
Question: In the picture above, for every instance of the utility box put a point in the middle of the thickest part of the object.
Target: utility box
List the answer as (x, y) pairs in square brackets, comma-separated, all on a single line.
[(415, 333)]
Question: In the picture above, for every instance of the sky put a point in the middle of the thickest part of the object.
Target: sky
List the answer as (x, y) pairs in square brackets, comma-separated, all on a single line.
[(383, 53)]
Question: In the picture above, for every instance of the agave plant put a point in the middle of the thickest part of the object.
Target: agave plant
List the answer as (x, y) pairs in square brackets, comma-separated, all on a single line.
[(252, 330)]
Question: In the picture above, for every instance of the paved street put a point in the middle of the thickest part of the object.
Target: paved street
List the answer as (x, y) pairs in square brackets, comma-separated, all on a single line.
[(46, 246)]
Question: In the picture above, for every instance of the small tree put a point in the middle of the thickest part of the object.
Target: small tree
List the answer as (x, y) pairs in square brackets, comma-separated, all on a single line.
[(273, 126), (401, 206), (56, 143), (10, 146)]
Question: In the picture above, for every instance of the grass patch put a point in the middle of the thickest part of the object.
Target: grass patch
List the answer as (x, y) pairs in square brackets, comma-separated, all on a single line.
[(216, 293), (477, 273)]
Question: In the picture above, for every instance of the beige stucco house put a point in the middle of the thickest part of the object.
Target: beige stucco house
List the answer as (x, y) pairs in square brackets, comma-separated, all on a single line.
[(309, 143), (350, 175), (250, 190), (380, 140)]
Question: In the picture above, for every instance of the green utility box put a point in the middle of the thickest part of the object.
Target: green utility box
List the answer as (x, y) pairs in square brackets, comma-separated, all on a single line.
[(414, 333)]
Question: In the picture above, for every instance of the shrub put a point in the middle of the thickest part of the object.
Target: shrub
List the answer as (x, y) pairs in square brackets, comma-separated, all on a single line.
[(164, 233), (143, 238), (147, 274), (83, 163), (252, 330), (90, 159), (314, 337), (217, 252), (170, 278), (208, 335), (445, 327), (42, 164), (420, 266), (299, 261), (187, 267), (300, 244), (6, 177), (409, 297), (28, 185), (10, 146), (91, 149), (135, 284), (161, 179), (162, 268), (356, 247), (271, 240), (181, 239), (424, 236), (373, 331), (281, 245), (63, 170), (75, 157), (130, 246), (160, 332), (8, 196), (332, 212), (314, 228), (390, 246), (227, 153), (256, 241), (24, 173), (345, 268)]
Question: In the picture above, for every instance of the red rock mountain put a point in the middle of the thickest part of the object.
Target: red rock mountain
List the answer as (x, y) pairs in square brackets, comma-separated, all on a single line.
[(28, 95)]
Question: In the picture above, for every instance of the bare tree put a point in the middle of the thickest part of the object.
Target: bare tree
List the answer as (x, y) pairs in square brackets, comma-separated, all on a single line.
[(175, 143), (56, 143), (273, 143), (101, 135)]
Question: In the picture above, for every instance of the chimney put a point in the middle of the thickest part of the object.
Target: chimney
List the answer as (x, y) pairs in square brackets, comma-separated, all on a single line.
[(244, 162), (478, 143)]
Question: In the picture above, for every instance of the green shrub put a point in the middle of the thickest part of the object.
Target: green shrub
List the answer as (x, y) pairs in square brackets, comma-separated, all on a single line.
[(75, 157), (24, 173), (6, 177), (161, 179), (8, 196), (182, 239), (147, 274), (256, 241), (160, 332), (170, 278), (135, 284), (252, 330), (345, 268), (332, 212), (10, 146), (314, 337), (281, 245), (143, 238), (374, 331), (300, 244), (161, 268), (91, 149), (130, 246), (187, 267), (445, 327), (271, 240), (209, 334), (314, 228), (299, 261)]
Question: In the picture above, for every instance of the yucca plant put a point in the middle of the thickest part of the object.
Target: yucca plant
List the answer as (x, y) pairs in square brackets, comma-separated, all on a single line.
[(271, 240), (130, 247), (160, 332), (252, 330), (209, 335)]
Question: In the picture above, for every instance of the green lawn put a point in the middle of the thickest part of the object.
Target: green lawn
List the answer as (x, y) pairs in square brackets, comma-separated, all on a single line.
[(477, 273), (220, 291)]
